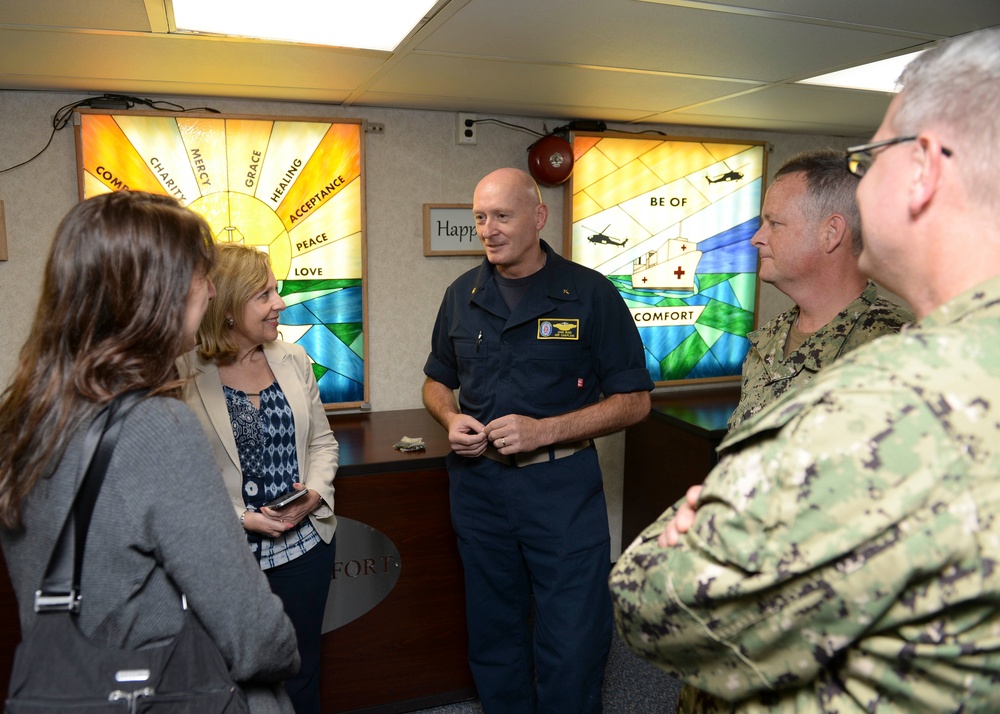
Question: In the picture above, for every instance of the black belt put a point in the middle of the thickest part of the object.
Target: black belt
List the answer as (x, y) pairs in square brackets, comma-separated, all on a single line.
[(538, 456)]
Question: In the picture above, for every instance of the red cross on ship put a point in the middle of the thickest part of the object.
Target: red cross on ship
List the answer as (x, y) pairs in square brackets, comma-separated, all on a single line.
[(672, 267)]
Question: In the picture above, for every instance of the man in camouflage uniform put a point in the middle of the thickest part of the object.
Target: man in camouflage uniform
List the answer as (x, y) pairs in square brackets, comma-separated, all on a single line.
[(843, 555), (809, 242)]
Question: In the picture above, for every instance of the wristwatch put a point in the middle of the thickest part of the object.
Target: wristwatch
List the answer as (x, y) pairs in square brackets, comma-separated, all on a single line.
[(243, 517)]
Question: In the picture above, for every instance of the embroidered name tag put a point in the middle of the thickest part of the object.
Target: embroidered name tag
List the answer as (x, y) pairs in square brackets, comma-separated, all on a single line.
[(559, 329)]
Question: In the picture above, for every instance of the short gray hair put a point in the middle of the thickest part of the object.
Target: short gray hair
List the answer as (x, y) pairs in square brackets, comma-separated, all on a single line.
[(956, 85)]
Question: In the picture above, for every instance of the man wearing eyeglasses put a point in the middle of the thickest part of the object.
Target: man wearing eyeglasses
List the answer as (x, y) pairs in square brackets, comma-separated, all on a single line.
[(843, 557), (808, 242)]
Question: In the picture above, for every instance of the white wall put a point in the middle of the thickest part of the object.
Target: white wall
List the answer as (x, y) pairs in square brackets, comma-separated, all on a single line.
[(415, 161)]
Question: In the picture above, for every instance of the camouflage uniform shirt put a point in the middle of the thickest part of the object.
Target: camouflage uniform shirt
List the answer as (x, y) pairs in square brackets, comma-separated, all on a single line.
[(767, 374), (844, 554)]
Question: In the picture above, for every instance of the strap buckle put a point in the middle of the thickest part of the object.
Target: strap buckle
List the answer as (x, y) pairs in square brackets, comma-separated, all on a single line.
[(57, 602)]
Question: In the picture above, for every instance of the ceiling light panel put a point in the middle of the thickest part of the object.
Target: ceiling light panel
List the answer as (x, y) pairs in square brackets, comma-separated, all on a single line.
[(878, 76), (372, 24)]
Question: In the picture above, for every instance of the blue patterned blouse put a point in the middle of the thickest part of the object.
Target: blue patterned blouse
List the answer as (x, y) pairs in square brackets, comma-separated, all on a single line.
[(265, 440)]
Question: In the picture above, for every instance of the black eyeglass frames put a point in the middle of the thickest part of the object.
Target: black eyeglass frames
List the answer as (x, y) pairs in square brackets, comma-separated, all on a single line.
[(860, 158)]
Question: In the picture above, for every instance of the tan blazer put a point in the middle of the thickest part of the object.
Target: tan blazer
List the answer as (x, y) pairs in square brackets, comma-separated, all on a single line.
[(315, 445)]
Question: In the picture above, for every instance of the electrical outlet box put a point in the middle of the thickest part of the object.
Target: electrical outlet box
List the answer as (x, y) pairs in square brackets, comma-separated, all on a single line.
[(375, 128), (465, 129)]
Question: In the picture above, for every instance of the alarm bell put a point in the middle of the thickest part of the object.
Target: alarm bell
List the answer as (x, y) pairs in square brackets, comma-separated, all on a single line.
[(550, 160)]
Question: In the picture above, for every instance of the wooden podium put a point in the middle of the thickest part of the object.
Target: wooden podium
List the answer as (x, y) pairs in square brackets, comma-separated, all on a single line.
[(671, 451), (410, 651)]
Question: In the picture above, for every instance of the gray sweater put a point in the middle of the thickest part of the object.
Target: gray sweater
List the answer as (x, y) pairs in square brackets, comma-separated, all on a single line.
[(162, 525)]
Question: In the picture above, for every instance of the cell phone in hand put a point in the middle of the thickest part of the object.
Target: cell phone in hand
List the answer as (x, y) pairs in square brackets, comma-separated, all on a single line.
[(284, 499)]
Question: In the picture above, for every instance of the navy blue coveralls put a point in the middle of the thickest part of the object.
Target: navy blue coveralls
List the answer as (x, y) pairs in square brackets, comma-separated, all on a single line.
[(539, 531)]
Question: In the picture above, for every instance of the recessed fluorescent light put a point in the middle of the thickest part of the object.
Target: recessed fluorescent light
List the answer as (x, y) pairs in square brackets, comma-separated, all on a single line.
[(367, 24), (878, 76)]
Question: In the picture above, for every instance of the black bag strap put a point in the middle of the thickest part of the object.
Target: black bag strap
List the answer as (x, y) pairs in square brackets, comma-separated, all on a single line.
[(60, 588)]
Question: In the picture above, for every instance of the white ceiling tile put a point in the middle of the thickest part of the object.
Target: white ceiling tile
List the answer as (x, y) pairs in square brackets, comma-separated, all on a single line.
[(900, 15), (699, 62), (656, 37)]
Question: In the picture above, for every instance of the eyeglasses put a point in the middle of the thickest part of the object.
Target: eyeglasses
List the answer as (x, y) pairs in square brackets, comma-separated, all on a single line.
[(860, 158)]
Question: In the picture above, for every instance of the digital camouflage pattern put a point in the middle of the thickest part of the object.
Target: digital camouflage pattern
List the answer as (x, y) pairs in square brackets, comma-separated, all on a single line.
[(844, 554), (767, 374)]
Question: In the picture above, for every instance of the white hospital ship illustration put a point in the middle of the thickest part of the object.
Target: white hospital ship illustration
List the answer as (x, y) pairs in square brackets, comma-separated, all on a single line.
[(671, 267)]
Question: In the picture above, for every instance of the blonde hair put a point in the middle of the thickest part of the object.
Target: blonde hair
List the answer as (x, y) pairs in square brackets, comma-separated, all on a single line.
[(240, 271)]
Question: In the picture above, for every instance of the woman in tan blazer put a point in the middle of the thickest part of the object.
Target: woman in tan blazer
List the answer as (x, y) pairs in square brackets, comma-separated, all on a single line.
[(259, 404)]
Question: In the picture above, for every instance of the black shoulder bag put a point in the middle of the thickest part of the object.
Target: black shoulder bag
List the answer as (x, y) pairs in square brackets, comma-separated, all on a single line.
[(58, 670)]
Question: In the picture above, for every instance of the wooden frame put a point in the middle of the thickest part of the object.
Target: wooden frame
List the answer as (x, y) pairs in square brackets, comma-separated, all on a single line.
[(293, 187), (450, 229), (668, 220), (3, 234)]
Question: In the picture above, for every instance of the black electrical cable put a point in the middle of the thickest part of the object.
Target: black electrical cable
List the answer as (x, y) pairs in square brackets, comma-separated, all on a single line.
[(62, 116), (577, 125), (508, 124), (644, 131)]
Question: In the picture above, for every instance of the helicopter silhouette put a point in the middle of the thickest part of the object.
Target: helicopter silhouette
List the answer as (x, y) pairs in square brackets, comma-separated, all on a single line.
[(600, 237), (733, 175)]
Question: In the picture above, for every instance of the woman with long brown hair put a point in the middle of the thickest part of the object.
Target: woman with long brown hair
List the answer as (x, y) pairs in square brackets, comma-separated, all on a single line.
[(124, 291)]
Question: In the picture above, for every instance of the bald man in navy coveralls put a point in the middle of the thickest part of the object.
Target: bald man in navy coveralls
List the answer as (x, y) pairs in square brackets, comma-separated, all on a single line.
[(532, 341)]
